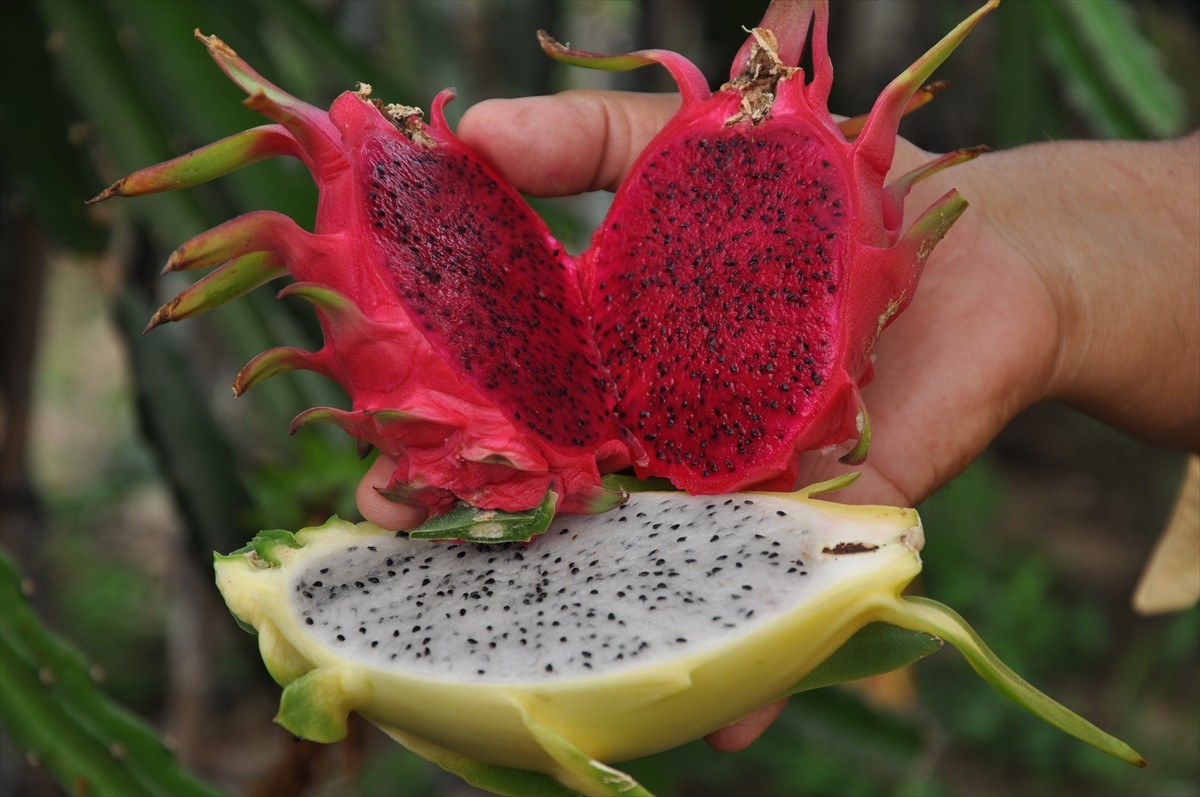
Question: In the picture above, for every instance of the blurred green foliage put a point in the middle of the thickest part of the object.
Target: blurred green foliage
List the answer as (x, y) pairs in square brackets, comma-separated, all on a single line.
[(93, 89)]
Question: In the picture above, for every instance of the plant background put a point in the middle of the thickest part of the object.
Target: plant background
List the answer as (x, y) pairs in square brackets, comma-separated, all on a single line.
[(125, 461)]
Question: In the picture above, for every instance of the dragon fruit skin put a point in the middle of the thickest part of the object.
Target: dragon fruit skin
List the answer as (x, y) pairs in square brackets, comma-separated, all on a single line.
[(753, 255), (451, 317), (492, 367)]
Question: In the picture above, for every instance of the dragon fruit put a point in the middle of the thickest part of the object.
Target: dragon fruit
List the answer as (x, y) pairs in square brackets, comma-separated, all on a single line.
[(611, 636), (720, 324)]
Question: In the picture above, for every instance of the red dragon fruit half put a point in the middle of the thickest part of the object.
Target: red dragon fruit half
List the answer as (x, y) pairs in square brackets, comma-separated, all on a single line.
[(719, 325), (752, 257)]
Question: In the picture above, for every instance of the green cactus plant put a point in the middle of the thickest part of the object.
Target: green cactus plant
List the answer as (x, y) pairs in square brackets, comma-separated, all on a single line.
[(55, 711)]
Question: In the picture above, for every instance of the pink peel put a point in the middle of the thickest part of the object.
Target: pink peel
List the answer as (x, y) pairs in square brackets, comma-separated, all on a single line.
[(877, 141), (206, 163), (789, 22), (234, 279), (853, 126), (692, 85), (721, 323), (273, 362)]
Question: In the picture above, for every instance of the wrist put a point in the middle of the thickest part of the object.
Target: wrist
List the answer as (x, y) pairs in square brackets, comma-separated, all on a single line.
[(1110, 230), (1018, 307)]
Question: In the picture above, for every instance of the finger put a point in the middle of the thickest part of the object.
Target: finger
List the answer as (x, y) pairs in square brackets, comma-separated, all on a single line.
[(566, 143), (381, 511), (742, 733)]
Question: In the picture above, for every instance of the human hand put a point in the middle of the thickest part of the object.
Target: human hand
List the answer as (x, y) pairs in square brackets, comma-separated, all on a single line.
[(1009, 312)]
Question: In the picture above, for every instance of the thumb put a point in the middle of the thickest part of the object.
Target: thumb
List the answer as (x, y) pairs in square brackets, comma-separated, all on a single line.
[(566, 143), (382, 511)]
